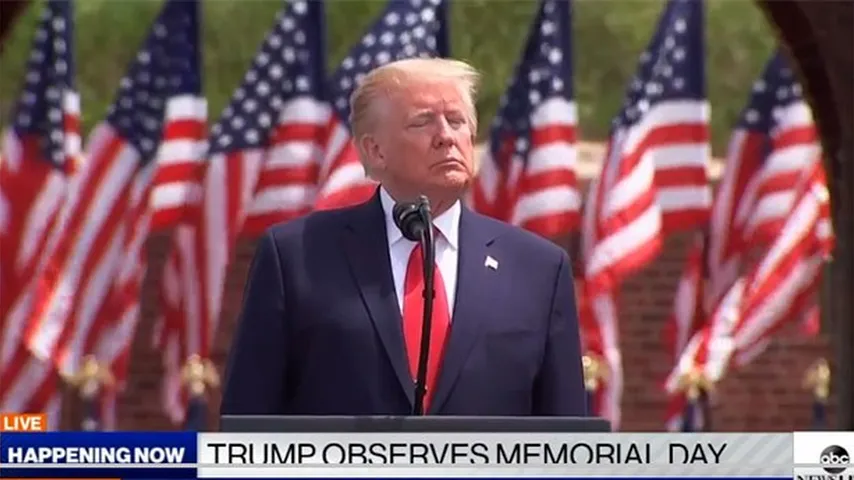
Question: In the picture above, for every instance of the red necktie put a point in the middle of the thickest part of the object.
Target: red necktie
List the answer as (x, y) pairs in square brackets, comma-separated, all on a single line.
[(413, 319)]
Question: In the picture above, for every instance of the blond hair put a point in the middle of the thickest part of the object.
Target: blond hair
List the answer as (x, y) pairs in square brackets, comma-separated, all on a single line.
[(378, 82)]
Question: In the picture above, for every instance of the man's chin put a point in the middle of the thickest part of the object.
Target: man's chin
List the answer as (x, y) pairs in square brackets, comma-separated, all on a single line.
[(452, 185), (454, 177), (447, 184)]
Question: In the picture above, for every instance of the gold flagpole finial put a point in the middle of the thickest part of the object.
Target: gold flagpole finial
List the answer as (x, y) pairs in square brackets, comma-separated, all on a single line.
[(91, 376), (199, 374), (694, 382), (595, 372), (817, 379)]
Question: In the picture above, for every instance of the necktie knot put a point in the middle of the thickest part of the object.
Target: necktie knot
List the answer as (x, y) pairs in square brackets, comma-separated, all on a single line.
[(417, 252)]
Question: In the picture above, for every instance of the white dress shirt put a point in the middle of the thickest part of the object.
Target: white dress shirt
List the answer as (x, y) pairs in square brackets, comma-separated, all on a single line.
[(447, 248)]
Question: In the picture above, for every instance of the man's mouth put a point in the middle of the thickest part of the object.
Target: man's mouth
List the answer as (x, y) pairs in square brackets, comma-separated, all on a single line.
[(450, 160)]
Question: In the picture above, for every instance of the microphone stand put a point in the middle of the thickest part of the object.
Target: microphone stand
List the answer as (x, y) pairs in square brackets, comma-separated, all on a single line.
[(428, 249)]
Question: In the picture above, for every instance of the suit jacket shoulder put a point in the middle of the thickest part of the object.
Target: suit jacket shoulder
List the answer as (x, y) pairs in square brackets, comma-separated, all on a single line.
[(318, 226), (521, 241), (315, 221)]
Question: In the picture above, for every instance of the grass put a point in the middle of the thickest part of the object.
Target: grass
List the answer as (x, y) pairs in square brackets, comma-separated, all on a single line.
[(608, 36)]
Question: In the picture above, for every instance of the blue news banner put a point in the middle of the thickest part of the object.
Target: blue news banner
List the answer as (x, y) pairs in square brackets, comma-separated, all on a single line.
[(177, 451), (133, 455)]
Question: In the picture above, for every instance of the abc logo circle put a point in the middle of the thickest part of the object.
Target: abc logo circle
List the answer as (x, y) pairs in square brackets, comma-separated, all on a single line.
[(834, 455)]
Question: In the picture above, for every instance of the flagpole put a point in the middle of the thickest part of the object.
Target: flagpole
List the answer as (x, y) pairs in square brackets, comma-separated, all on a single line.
[(696, 387), (817, 379), (595, 372), (89, 381), (198, 374)]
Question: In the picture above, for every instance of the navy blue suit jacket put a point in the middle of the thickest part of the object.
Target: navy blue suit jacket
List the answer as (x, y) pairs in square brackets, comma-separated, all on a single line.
[(320, 330)]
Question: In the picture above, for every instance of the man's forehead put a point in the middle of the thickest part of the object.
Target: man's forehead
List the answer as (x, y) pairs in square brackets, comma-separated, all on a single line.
[(431, 94)]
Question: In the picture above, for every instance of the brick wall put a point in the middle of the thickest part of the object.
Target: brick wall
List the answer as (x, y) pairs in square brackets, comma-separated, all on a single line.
[(765, 396)]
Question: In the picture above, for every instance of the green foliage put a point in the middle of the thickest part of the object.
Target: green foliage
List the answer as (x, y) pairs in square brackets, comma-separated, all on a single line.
[(609, 35)]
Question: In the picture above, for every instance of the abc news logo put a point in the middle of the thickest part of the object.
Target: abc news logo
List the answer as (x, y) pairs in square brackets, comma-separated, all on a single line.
[(834, 455), (834, 460)]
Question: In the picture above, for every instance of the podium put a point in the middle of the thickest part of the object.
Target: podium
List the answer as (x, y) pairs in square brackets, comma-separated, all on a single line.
[(410, 424)]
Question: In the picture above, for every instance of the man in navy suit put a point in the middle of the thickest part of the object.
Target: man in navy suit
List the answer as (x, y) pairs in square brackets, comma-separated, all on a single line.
[(332, 311)]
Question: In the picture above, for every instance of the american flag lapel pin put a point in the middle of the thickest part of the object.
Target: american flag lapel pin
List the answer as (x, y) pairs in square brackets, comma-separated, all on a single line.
[(491, 263)]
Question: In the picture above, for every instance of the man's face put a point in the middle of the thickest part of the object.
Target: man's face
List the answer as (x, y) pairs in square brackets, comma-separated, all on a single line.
[(424, 140)]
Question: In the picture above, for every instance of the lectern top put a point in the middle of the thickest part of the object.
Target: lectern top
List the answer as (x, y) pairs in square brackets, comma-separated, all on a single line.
[(413, 424)]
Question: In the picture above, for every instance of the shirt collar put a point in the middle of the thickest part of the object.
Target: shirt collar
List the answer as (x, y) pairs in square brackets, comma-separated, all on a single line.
[(448, 223)]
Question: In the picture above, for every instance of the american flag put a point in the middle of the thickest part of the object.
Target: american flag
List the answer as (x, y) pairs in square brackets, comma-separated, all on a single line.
[(654, 170), (774, 140), (661, 124), (405, 29), (690, 312), (39, 153), (260, 165), (778, 132), (600, 341), (287, 184), (779, 289), (667, 103), (88, 300), (791, 272), (690, 306), (528, 176)]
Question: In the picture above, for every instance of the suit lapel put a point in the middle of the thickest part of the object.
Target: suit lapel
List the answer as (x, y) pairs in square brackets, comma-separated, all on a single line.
[(474, 281), (367, 251)]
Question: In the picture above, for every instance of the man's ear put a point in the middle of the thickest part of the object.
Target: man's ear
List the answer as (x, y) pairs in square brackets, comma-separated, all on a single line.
[(373, 153)]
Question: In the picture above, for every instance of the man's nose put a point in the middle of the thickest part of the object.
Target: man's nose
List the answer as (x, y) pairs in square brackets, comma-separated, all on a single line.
[(444, 136)]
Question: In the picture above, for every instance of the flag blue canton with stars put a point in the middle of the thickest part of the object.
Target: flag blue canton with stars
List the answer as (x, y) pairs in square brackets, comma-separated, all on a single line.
[(672, 68), (50, 72), (545, 72), (775, 90), (167, 65), (406, 29), (290, 63)]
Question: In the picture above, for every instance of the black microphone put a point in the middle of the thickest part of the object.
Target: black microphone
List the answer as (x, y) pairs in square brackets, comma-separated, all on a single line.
[(407, 216), (414, 221)]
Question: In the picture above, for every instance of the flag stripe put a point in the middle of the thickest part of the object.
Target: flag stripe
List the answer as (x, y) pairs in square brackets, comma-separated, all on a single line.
[(527, 176)]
